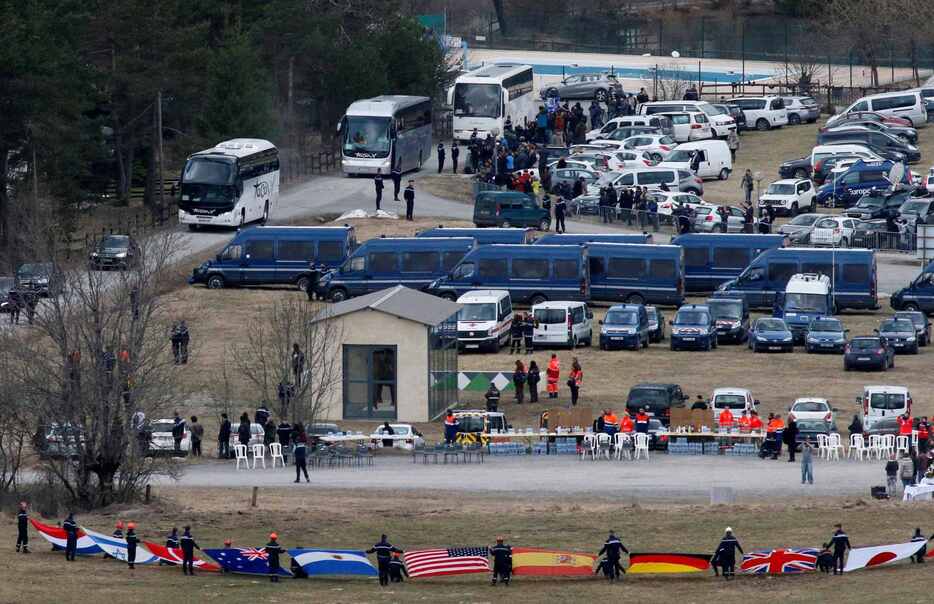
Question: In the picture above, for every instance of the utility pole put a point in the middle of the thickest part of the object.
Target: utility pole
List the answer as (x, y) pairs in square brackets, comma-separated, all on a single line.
[(159, 154), (743, 51)]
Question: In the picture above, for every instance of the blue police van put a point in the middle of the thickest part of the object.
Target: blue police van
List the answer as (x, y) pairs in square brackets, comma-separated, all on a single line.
[(386, 262), (711, 259), (861, 178), (576, 238), (279, 255), (636, 274), (853, 273), (483, 236), (530, 273), (918, 295)]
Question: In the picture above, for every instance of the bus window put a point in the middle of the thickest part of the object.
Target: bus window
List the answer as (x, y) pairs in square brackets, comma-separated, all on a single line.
[(232, 252), (695, 256), (260, 250), (296, 250), (662, 269), (781, 272), (596, 266), (856, 273), (626, 268), (450, 259), (730, 257), (330, 250), (477, 100), (492, 268), (367, 135)]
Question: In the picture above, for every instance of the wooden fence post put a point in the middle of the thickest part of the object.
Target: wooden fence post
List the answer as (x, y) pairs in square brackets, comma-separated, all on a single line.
[(253, 499)]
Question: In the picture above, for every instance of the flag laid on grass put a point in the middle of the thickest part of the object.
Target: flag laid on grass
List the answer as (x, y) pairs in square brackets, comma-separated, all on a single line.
[(780, 561), (451, 561), (56, 536), (115, 547), (865, 557), (245, 560), (174, 555), (651, 564), (550, 563), (333, 562)]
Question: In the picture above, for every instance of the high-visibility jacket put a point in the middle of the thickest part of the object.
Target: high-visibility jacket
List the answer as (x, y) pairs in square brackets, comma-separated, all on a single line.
[(744, 423), (625, 424), (642, 422), (554, 370), (726, 418), (775, 425), (755, 423), (904, 426), (610, 420), (923, 431)]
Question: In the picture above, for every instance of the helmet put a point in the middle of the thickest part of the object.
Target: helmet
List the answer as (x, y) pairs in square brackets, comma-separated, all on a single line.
[(119, 524), (131, 525), (273, 536), (227, 542)]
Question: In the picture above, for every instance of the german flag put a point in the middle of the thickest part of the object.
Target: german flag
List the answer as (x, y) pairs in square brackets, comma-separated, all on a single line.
[(550, 563), (667, 563)]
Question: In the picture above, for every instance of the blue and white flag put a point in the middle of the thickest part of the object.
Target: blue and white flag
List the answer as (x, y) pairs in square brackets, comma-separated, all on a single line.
[(333, 562), (244, 560), (115, 547)]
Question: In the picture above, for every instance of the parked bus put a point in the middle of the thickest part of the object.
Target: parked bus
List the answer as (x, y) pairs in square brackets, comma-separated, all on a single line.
[(485, 97), (231, 184), (385, 131)]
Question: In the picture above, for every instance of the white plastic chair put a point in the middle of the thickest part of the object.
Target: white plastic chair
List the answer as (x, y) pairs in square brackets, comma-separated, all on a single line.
[(240, 454), (901, 444), (275, 452), (875, 447), (822, 442), (857, 447), (603, 444), (622, 444), (834, 446), (888, 444), (642, 445), (259, 452), (589, 445)]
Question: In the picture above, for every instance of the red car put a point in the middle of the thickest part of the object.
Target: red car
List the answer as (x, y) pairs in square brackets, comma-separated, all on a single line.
[(868, 116)]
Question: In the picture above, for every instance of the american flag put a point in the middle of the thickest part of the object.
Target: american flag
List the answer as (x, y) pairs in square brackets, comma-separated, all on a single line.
[(779, 561), (451, 561)]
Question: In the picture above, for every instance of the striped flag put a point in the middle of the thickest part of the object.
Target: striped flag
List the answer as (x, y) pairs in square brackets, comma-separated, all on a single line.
[(550, 563), (451, 561), (57, 537), (780, 561), (665, 563), (333, 562)]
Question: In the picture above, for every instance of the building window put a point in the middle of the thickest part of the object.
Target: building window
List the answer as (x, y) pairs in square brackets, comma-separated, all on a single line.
[(370, 382), (442, 367)]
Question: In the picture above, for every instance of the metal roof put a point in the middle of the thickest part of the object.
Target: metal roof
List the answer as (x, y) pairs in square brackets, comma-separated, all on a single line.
[(399, 301)]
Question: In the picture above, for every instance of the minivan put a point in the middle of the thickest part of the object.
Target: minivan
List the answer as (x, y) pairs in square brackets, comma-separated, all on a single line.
[(625, 326), (706, 159), (562, 324), (917, 295), (483, 236), (881, 140), (908, 104), (801, 109), (853, 270), (711, 259), (689, 126), (387, 262), (736, 400), (509, 209), (484, 319), (662, 123), (858, 180), (530, 273), (637, 274), (720, 122), (656, 399), (652, 179), (881, 406), (763, 112), (264, 255), (823, 152), (731, 318)]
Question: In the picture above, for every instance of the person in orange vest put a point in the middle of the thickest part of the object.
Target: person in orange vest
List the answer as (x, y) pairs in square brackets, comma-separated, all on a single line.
[(553, 373), (726, 419), (755, 422), (610, 422), (642, 421), (451, 426), (905, 425), (744, 422), (924, 433), (776, 427), (625, 425)]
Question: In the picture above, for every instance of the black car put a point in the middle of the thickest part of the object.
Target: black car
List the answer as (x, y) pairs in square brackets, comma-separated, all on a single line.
[(796, 168), (878, 204), (656, 399), (6, 286), (809, 429), (917, 210), (40, 278), (731, 317), (900, 335), (868, 352), (735, 112), (657, 440), (921, 323), (114, 251), (906, 133), (889, 147)]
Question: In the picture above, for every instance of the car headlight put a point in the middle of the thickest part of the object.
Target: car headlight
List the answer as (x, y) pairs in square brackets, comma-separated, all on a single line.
[(94, 254), (910, 338), (812, 339), (786, 339), (761, 339), (121, 255)]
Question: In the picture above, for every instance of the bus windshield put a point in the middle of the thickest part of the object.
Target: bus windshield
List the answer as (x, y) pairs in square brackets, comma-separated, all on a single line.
[(366, 136), (478, 100), (209, 171)]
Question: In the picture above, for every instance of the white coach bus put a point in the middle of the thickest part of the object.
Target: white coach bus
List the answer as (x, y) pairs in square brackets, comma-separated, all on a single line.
[(231, 184), (485, 97), (385, 131)]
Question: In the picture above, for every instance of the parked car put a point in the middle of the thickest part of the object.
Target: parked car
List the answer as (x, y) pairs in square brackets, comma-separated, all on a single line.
[(906, 133), (562, 324), (868, 352), (868, 116), (917, 210), (900, 335), (826, 168), (40, 278), (737, 400), (114, 251), (921, 323), (413, 438), (693, 327), (809, 429), (624, 132), (789, 196), (708, 220), (765, 112), (656, 145), (770, 334), (656, 324), (825, 334), (801, 109), (656, 399), (568, 176), (882, 405), (509, 209), (882, 140), (625, 326), (706, 159), (810, 408), (690, 126), (667, 201), (734, 111), (584, 86), (796, 168), (257, 435), (903, 103), (731, 317), (801, 223), (161, 440), (833, 231), (662, 123), (878, 204)]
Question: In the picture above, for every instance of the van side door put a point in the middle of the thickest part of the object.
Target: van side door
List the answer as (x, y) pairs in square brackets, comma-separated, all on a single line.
[(293, 258), (382, 271), (259, 262)]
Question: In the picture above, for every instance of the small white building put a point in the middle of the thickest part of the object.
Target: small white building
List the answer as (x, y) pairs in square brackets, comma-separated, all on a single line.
[(399, 357)]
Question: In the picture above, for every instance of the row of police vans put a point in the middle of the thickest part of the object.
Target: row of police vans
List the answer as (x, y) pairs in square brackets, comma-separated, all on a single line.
[(610, 268)]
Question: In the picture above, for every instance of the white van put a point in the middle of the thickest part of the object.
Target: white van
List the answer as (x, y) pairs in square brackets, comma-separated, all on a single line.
[(652, 179), (663, 124), (822, 152), (562, 324), (689, 126), (721, 123), (706, 159), (736, 400), (484, 319), (762, 112), (908, 104), (881, 407)]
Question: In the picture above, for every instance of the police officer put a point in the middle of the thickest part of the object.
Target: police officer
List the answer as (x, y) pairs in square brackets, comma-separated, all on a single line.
[(409, 196), (918, 537), (396, 566), (132, 540), (726, 553), (22, 536), (840, 543), (561, 207), (455, 153), (502, 561), (378, 183), (383, 550), (613, 549), (262, 415), (440, 157), (188, 545), (300, 450), (71, 537), (284, 434), (396, 175), (273, 551), (492, 398), (171, 542)]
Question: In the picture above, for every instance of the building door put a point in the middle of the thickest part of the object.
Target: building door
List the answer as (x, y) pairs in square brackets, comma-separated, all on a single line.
[(370, 382)]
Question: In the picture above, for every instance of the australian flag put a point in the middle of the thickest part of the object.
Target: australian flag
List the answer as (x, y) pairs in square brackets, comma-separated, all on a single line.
[(780, 561), (244, 560)]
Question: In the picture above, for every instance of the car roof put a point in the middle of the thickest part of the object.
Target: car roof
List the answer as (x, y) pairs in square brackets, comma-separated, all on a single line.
[(742, 391), (809, 399), (483, 295), (655, 386), (559, 304), (889, 389), (763, 319), (788, 181)]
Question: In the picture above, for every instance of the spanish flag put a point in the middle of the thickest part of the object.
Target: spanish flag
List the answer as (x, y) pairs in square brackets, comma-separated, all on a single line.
[(550, 563), (667, 563)]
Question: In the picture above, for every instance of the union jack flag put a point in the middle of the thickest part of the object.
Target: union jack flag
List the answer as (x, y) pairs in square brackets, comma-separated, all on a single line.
[(780, 561), (253, 553)]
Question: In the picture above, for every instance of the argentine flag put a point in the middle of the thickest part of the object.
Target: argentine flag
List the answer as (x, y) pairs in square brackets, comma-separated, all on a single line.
[(333, 562)]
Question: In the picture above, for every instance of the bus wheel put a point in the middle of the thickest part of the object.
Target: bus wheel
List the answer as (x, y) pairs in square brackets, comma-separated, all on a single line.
[(911, 306), (266, 213), (215, 282)]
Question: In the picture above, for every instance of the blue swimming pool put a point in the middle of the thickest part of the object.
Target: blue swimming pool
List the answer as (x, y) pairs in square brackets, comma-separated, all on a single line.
[(641, 73)]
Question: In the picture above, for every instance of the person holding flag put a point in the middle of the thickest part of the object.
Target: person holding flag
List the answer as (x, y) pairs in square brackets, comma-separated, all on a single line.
[(396, 566), (71, 536), (840, 543), (22, 534), (132, 540), (613, 549), (188, 545), (384, 551), (552, 374), (502, 561), (918, 537), (273, 551), (725, 555), (171, 542)]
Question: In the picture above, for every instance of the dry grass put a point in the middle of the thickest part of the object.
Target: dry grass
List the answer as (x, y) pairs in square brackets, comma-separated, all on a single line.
[(355, 520)]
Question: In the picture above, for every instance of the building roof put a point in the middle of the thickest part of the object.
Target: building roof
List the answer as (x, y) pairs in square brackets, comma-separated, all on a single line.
[(399, 301)]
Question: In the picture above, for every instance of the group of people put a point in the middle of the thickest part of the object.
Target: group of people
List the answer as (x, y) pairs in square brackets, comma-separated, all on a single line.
[(633, 204), (21, 302), (408, 195)]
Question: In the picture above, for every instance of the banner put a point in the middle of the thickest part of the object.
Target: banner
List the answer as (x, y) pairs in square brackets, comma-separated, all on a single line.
[(174, 555), (56, 536), (245, 561), (550, 563), (865, 557), (115, 547), (450, 561), (651, 563), (780, 561), (333, 562)]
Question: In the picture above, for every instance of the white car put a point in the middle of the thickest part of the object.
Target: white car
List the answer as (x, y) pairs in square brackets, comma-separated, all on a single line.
[(410, 441), (667, 200), (161, 439), (708, 220), (811, 408), (690, 126), (736, 400), (656, 145), (762, 112), (834, 231), (562, 324), (929, 180), (789, 196)]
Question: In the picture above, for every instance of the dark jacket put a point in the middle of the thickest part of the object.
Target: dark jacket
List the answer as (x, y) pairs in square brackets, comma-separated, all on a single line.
[(274, 550), (224, 433), (726, 551), (613, 548), (188, 543), (790, 433), (243, 433), (284, 432), (409, 195)]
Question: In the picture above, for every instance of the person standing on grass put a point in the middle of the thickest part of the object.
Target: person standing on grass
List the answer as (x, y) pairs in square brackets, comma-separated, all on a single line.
[(747, 184), (502, 561), (71, 537), (397, 571), (552, 374), (732, 141), (515, 335), (223, 438), (840, 543), (132, 540), (561, 207), (178, 432), (298, 365), (188, 545), (197, 435), (384, 551), (891, 476), (534, 377), (519, 377), (440, 157), (455, 153), (492, 398), (528, 333), (273, 551), (906, 471), (284, 434), (396, 175), (22, 533), (807, 462), (614, 549), (916, 538), (575, 380), (171, 542), (378, 185), (726, 553)]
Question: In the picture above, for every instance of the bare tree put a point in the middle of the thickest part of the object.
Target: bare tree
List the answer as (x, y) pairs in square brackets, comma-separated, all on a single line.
[(673, 81), (15, 428), (265, 359)]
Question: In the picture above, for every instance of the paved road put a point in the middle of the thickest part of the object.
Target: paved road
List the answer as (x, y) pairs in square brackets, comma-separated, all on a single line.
[(663, 477)]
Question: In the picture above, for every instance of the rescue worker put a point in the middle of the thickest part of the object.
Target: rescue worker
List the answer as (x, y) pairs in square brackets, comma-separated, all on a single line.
[(223, 437), (273, 551), (552, 374), (561, 207), (451, 426), (642, 421), (132, 540), (178, 433), (613, 549), (840, 543), (22, 534), (71, 537), (188, 545), (610, 423), (502, 562), (492, 398), (171, 542), (744, 422), (918, 537), (905, 425), (726, 553), (725, 420), (396, 567), (625, 425), (575, 380), (755, 422), (300, 449), (118, 534), (383, 550), (515, 335)]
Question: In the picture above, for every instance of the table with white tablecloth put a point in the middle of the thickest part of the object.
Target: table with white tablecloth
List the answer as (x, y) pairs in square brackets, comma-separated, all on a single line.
[(920, 492)]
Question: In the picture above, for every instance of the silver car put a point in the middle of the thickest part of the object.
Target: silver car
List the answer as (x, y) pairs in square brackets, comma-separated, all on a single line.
[(708, 220), (799, 228), (801, 109), (569, 176), (584, 86)]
